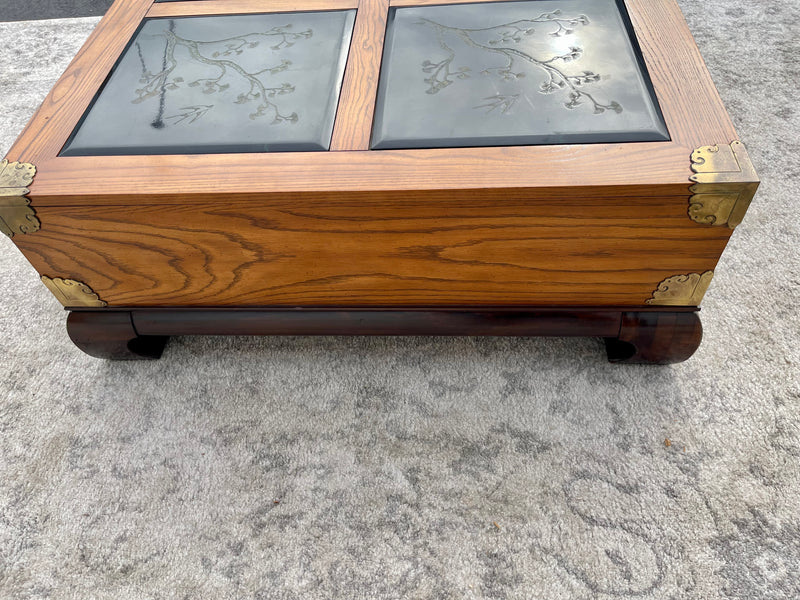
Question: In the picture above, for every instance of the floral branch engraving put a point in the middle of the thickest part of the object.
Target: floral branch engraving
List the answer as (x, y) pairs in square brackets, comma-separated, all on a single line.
[(226, 71), (503, 40)]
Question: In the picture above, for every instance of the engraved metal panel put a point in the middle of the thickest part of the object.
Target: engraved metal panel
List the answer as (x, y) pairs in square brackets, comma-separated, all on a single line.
[(510, 73), (242, 83)]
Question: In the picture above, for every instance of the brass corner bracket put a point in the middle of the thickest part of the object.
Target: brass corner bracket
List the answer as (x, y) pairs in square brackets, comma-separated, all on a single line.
[(725, 184), (16, 215), (682, 290), (73, 293)]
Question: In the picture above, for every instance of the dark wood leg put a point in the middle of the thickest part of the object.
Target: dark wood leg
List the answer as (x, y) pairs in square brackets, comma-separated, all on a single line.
[(112, 335), (660, 338)]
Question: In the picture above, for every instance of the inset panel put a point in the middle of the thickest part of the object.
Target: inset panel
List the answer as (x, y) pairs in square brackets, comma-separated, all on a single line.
[(513, 73), (244, 83)]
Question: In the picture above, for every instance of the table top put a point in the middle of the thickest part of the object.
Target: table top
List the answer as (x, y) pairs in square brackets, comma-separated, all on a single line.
[(666, 93), (474, 74)]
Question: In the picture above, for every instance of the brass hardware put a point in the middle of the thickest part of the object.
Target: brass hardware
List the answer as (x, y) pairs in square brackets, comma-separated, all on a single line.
[(725, 184), (682, 290), (16, 216), (73, 293)]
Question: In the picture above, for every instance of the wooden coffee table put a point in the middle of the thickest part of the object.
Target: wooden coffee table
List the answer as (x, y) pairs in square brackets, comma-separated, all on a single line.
[(381, 167)]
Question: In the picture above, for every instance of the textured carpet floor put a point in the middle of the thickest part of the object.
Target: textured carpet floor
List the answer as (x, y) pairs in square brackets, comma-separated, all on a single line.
[(282, 468)]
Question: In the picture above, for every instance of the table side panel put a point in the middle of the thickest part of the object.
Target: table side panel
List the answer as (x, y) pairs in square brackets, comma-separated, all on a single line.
[(317, 253)]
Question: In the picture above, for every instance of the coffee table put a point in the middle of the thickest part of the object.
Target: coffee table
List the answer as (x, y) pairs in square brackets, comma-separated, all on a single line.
[(381, 167)]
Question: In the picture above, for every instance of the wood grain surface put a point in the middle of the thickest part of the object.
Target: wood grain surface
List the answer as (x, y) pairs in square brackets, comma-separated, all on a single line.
[(353, 125), (313, 252), (550, 171), (692, 108)]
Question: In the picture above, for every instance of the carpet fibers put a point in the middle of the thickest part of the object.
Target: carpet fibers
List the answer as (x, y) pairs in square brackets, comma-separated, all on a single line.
[(441, 468)]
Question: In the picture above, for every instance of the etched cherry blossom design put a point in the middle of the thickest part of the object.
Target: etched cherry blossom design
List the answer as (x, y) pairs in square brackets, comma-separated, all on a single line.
[(506, 41)]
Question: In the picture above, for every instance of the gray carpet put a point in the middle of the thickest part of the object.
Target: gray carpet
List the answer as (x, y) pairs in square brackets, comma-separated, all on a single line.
[(282, 468)]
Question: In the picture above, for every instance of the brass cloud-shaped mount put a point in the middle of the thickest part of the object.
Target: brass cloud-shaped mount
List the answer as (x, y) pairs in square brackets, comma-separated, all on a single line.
[(16, 214)]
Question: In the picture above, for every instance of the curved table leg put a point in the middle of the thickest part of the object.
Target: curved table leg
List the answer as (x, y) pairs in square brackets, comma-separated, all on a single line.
[(112, 335), (661, 338)]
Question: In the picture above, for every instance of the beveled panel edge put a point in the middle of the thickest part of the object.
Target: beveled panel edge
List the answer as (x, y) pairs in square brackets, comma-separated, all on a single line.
[(71, 292), (16, 214), (682, 290), (725, 184), (239, 7)]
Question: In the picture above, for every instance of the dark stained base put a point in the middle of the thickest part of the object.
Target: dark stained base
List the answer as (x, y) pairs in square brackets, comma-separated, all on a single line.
[(642, 336), (660, 338), (111, 334)]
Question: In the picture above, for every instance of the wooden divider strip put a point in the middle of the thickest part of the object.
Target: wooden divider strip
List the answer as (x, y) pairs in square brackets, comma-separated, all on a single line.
[(360, 86)]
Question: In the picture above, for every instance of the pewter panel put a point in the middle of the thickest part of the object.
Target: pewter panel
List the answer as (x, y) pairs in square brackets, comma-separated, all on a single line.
[(511, 73), (245, 83)]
